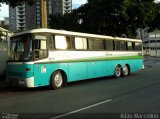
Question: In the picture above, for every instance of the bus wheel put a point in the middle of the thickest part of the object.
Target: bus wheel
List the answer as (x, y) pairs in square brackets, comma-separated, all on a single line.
[(117, 71), (125, 71), (57, 80)]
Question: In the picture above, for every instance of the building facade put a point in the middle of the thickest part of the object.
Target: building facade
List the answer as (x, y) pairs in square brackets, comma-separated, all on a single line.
[(151, 44), (27, 17), (61, 6), (22, 17)]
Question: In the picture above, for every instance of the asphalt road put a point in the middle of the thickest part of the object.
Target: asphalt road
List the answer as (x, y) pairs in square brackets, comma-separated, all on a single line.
[(97, 98)]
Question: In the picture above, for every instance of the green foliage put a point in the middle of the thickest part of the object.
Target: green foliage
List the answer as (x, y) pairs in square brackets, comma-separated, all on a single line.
[(110, 17)]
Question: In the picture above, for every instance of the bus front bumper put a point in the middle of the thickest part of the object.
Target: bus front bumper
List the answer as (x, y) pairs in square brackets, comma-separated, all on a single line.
[(22, 82)]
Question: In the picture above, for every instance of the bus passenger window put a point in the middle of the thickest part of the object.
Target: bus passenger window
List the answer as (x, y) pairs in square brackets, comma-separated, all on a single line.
[(109, 45), (129, 46), (92, 44), (62, 42), (99, 44), (117, 45), (80, 43), (122, 46)]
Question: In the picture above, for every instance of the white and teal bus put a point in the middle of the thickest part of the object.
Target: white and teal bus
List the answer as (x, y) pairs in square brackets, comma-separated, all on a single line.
[(46, 57)]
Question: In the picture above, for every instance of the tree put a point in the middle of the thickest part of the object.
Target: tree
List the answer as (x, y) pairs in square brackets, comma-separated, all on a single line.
[(113, 17), (117, 17)]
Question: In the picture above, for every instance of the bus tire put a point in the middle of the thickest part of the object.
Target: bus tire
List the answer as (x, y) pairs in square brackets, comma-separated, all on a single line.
[(125, 70), (117, 71), (57, 80)]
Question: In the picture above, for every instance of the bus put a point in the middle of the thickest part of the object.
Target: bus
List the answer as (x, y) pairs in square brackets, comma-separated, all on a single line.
[(48, 57)]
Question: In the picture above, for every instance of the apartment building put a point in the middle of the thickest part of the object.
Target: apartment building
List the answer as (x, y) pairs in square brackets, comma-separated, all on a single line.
[(25, 17)]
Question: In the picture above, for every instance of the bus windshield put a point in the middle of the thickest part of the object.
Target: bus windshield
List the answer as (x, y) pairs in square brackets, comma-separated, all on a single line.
[(21, 48)]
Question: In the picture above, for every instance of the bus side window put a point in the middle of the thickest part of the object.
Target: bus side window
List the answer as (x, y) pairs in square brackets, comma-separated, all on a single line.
[(129, 46), (122, 45), (91, 44), (62, 42), (99, 44), (109, 45), (80, 43), (117, 46)]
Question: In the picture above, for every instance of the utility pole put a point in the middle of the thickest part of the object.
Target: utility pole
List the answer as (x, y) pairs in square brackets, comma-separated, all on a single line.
[(44, 13)]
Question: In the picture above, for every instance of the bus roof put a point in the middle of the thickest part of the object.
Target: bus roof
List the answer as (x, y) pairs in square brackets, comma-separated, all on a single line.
[(63, 32)]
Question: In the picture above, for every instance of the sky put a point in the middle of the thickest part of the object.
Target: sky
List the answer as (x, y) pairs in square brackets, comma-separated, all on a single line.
[(5, 9)]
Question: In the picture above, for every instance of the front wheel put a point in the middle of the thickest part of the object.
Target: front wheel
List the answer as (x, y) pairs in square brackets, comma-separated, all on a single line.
[(117, 71), (57, 80)]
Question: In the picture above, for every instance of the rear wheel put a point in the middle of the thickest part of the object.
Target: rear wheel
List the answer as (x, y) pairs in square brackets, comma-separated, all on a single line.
[(117, 71), (125, 71), (57, 80)]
